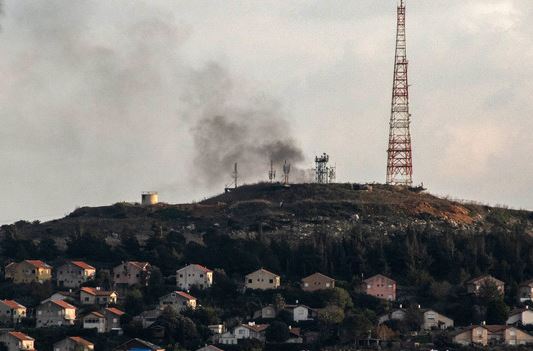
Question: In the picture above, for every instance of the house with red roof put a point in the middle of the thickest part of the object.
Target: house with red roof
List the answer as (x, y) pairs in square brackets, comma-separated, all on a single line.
[(97, 296), (381, 287), (74, 273), (112, 317), (194, 275), (94, 320), (55, 313), (73, 343), (475, 285), (28, 271), (132, 273), (251, 330), (17, 341), (11, 312), (317, 281), (178, 301), (262, 280)]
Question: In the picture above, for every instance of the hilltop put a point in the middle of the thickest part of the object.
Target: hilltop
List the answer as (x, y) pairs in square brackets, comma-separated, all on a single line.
[(274, 209)]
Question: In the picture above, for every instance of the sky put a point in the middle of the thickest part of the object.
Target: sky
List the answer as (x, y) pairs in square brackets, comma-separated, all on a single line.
[(101, 100)]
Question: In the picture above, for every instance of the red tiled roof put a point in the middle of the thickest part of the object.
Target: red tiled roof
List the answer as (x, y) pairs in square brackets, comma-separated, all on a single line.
[(38, 264), (203, 268), (12, 304), (256, 327), (97, 314), (495, 328), (317, 274), (378, 276), (80, 341), (264, 271), (96, 292), (294, 331), (115, 311), (62, 304), (138, 264), (185, 295), (21, 336), (82, 265)]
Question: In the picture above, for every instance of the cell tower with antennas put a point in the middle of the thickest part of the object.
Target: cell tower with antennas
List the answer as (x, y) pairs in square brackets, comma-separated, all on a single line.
[(286, 172), (324, 174), (399, 153), (272, 172), (235, 175)]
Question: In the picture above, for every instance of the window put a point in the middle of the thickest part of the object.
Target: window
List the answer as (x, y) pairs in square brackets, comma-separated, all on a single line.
[(271, 281), (250, 281), (306, 284)]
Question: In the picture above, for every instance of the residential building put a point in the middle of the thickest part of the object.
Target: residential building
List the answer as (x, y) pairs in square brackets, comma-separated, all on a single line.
[(68, 296), (295, 336), (17, 341), (112, 317), (28, 271), (97, 296), (301, 312), (317, 281), (11, 312), (435, 320), (55, 313), (244, 331), (474, 286), (520, 316), (132, 273), (73, 343), (147, 318), (397, 314), (94, 320), (138, 344), (525, 291), (381, 287), (194, 275), (267, 312), (262, 280), (178, 301), (492, 335), (209, 348), (74, 273)]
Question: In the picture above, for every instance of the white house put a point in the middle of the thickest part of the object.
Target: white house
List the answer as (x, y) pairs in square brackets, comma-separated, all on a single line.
[(244, 331), (194, 275), (300, 312), (396, 314), (522, 316), (178, 301), (435, 320)]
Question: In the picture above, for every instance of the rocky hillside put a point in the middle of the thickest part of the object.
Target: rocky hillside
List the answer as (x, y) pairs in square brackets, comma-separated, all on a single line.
[(274, 210)]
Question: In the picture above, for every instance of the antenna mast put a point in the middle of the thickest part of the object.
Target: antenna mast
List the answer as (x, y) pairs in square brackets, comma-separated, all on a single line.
[(272, 172), (235, 175), (399, 160), (286, 171)]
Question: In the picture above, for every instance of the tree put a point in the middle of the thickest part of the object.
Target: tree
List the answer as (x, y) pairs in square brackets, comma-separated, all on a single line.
[(134, 302), (497, 312), (277, 332), (331, 315), (338, 297)]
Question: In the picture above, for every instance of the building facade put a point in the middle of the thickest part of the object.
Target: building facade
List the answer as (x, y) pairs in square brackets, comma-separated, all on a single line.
[(28, 271), (317, 281), (194, 275), (55, 313), (262, 280), (132, 273), (11, 312), (381, 287), (97, 296), (178, 301), (74, 273)]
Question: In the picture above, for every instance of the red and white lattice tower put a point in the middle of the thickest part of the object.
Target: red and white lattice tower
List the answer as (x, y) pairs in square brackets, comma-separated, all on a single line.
[(399, 161)]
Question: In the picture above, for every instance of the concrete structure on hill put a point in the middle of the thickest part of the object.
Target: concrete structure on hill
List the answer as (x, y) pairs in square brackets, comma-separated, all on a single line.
[(492, 335), (55, 313), (381, 287), (73, 343), (132, 273), (317, 281), (194, 275), (28, 271), (178, 301), (11, 312), (97, 296), (262, 280), (17, 341), (476, 285), (74, 273)]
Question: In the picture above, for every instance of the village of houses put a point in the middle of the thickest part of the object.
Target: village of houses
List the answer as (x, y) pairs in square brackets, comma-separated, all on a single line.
[(67, 307)]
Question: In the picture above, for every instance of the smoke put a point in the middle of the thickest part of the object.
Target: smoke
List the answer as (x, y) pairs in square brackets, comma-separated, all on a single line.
[(234, 126), (99, 104)]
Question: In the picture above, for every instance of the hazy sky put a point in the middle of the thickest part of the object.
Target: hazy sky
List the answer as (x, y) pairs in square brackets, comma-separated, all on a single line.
[(100, 100)]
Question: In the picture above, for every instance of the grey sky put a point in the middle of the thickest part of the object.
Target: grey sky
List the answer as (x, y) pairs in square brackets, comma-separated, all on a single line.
[(100, 100)]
